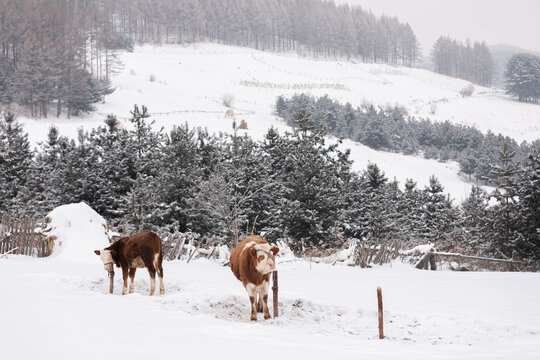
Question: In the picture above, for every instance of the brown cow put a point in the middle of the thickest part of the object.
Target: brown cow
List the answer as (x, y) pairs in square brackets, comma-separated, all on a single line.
[(252, 261), (136, 251)]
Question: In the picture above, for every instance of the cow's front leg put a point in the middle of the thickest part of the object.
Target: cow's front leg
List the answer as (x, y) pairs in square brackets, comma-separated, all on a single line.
[(125, 277), (253, 300), (131, 278), (264, 295)]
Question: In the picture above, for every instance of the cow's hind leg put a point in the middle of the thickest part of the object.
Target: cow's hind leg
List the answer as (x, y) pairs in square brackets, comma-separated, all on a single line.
[(253, 300), (152, 273), (125, 277), (147, 257), (260, 306), (132, 279), (159, 268)]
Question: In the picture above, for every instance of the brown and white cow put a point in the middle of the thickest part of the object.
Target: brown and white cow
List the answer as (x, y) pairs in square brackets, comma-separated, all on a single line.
[(252, 261), (141, 250)]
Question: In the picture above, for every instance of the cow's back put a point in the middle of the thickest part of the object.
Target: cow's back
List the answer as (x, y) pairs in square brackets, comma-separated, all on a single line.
[(143, 244), (238, 256), (146, 239)]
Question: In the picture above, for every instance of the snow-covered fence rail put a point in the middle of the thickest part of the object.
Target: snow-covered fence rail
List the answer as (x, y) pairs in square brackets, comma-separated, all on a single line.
[(24, 234), (241, 112), (485, 262), (426, 257), (296, 86)]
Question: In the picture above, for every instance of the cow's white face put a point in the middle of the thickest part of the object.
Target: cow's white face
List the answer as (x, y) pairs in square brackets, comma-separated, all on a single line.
[(266, 260), (106, 257)]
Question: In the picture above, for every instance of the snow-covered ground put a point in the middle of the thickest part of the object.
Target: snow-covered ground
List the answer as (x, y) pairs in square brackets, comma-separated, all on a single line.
[(189, 82), (59, 308)]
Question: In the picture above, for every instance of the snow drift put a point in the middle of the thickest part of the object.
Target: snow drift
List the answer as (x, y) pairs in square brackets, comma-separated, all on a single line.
[(78, 231)]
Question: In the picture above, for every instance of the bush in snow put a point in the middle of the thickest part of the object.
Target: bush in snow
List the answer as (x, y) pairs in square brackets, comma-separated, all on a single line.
[(227, 100), (243, 125), (467, 91)]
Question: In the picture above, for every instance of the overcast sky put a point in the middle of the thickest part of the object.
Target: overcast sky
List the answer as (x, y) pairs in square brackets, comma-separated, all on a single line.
[(513, 22)]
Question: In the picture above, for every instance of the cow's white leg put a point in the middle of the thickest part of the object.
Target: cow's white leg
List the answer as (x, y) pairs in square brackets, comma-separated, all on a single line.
[(252, 292), (161, 286), (259, 303), (263, 294), (125, 277), (132, 279), (159, 269), (152, 273), (152, 285)]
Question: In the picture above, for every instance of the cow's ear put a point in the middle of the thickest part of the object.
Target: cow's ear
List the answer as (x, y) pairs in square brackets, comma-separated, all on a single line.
[(275, 250), (97, 252), (253, 252)]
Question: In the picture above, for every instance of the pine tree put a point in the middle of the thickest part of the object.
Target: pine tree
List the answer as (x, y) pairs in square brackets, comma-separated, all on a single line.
[(528, 193), (47, 180), (503, 232), (116, 168), (474, 218), (439, 215), (15, 162), (522, 77), (179, 176), (411, 209), (145, 145), (313, 187)]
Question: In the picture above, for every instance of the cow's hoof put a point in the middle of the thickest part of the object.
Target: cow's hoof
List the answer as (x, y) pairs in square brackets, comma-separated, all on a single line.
[(162, 292), (131, 291), (123, 292), (267, 316), (253, 317)]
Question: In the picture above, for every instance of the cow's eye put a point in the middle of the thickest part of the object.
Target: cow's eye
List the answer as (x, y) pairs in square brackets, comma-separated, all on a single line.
[(261, 257)]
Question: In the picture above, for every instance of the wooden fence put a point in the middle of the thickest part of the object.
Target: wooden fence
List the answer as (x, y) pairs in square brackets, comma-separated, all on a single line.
[(25, 234), (188, 246), (372, 252)]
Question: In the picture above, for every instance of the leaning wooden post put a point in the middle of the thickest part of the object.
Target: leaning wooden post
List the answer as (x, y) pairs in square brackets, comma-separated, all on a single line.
[(110, 273), (379, 298), (275, 292)]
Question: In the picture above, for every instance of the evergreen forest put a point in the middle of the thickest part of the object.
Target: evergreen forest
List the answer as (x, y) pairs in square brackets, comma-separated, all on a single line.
[(292, 186)]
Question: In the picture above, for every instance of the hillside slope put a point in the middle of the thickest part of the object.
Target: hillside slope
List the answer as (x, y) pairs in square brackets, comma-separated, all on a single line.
[(187, 83)]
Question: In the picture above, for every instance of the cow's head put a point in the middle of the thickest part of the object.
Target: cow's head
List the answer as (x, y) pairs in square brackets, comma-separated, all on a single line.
[(265, 257), (106, 256)]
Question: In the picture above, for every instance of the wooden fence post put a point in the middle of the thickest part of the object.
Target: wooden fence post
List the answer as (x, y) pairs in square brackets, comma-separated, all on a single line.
[(275, 292), (379, 300), (110, 274)]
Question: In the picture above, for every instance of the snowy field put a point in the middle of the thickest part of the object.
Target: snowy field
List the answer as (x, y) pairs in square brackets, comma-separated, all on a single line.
[(59, 308), (186, 84)]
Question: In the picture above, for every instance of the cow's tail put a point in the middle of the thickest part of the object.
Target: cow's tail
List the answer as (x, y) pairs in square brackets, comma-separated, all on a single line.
[(159, 265)]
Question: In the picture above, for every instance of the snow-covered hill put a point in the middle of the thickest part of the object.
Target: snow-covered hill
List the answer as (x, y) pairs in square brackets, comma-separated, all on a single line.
[(187, 84)]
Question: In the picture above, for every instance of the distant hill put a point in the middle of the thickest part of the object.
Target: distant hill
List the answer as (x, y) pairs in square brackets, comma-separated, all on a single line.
[(501, 53)]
